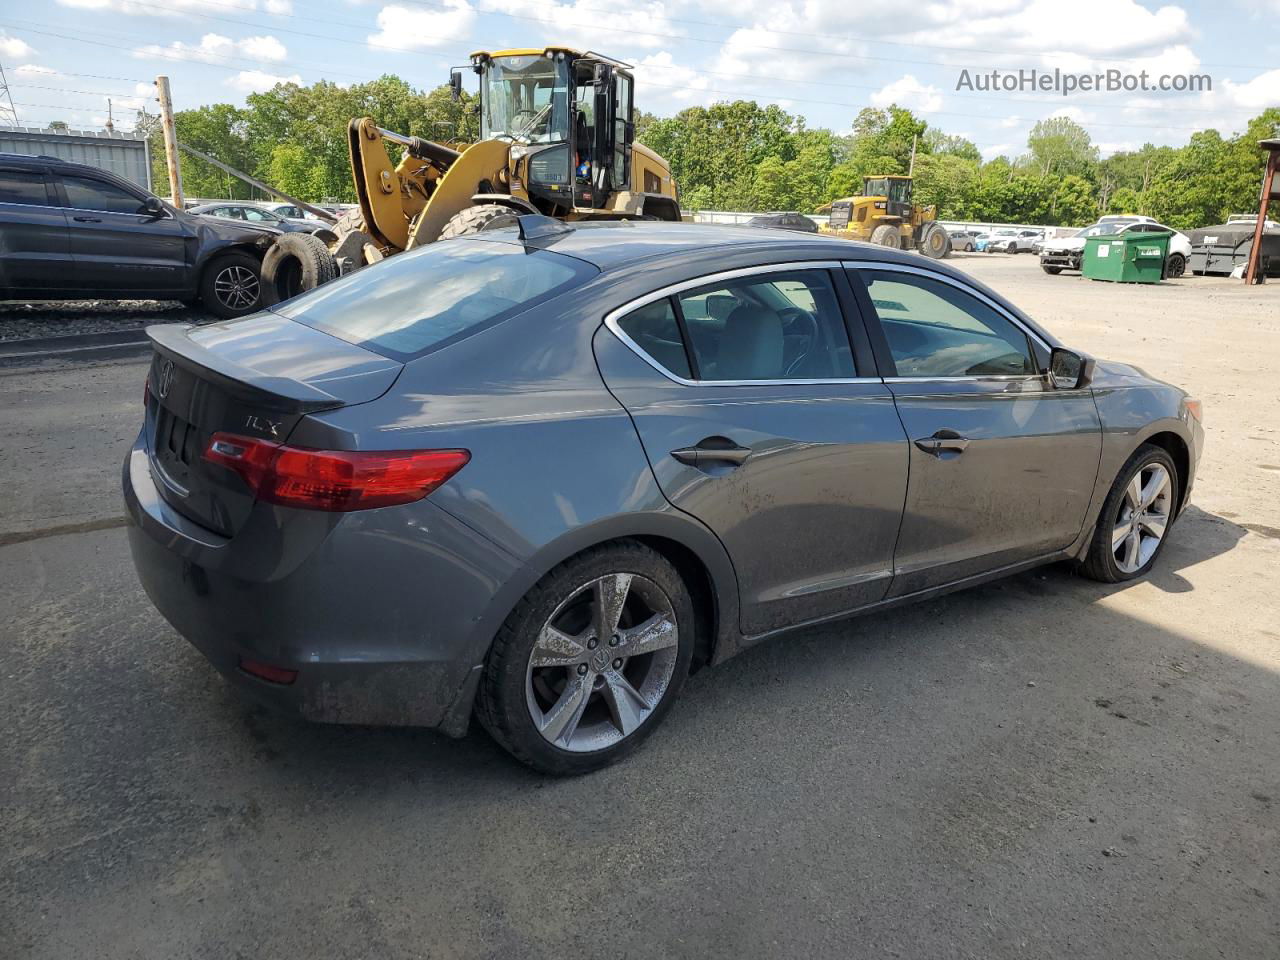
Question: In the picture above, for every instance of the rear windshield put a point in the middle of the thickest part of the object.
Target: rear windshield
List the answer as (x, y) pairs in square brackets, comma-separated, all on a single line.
[(424, 299)]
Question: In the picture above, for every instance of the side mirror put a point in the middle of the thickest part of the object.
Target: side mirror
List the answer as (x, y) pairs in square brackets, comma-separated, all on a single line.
[(151, 207), (455, 83), (1069, 370)]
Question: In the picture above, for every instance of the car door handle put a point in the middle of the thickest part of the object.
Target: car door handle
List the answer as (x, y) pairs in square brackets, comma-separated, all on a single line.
[(944, 441), (700, 454), (87, 219)]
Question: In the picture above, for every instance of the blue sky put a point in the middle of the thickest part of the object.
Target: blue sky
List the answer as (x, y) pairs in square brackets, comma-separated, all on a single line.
[(822, 59)]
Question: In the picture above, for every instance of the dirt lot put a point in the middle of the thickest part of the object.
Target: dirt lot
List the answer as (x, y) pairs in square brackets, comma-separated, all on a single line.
[(1043, 767)]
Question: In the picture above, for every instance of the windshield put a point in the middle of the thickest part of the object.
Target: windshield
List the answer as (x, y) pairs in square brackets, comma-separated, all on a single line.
[(1101, 230), (429, 297), (876, 188), (526, 99)]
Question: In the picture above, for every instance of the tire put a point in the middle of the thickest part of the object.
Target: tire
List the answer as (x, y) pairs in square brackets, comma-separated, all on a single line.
[(1175, 266), (481, 217), (1050, 270), (231, 284), (1113, 561), (887, 235), (590, 731), (935, 244), (295, 263)]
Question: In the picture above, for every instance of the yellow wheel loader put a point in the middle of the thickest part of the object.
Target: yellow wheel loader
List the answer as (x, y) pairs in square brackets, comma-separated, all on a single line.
[(557, 138), (885, 215)]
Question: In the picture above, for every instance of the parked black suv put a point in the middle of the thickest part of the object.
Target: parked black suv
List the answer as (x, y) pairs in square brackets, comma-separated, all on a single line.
[(74, 232)]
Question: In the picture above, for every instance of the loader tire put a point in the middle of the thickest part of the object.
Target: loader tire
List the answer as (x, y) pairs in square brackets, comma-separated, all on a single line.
[(481, 217), (886, 235), (296, 262), (936, 243)]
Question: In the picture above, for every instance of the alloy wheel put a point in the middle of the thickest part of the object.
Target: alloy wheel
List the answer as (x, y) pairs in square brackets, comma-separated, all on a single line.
[(1143, 517), (602, 663), (236, 287)]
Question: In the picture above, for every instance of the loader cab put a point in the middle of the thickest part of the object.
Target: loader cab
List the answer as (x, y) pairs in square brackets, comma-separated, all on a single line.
[(569, 113), (894, 190)]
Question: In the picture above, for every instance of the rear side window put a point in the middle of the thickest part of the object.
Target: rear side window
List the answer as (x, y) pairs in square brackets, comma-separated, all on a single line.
[(86, 194), (427, 298), (654, 329), (20, 186)]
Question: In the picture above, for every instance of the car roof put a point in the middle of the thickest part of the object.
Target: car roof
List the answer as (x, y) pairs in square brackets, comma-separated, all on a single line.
[(610, 245)]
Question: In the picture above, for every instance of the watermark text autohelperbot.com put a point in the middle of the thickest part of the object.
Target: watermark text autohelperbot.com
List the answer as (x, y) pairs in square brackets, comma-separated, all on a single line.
[(1059, 81)]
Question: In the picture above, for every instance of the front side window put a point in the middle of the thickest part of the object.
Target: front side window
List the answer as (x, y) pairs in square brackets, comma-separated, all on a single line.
[(258, 216), (432, 296), (86, 194), (774, 326), (937, 330), (526, 99), (21, 186)]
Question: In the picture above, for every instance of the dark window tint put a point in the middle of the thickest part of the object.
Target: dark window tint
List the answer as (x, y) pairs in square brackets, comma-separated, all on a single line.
[(774, 326), (937, 330), (86, 194), (17, 186), (431, 296), (654, 329)]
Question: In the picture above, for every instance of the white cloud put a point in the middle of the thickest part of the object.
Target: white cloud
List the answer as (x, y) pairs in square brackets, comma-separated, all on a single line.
[(909, 92), (175, 8), (256, 81), (35, 70), (215, 48), (662, 84), (645, 25), (996, 150), (11, 46), (420, 28)]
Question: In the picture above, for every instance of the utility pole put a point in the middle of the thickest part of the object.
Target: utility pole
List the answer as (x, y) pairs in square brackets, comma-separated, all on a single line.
[(911, 170), (170, 141), (8, 112)]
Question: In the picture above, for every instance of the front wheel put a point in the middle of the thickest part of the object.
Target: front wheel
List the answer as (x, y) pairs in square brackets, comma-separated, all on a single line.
[(231, 285), (887, 235), (1052, 271), (1135, 517), (1175, 266), (590, 660)]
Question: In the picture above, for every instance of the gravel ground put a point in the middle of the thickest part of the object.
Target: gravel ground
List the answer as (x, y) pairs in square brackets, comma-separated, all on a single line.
[(22, 319), (1043, 767)]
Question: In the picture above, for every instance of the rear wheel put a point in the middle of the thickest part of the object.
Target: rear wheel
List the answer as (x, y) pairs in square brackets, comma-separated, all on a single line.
[(1135, 517), (1175, 266), (230, 285), (481, 217), (590, 660), (886, 235)]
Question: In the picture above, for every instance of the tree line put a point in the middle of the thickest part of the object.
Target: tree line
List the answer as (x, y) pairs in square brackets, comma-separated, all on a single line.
[(745, 156)]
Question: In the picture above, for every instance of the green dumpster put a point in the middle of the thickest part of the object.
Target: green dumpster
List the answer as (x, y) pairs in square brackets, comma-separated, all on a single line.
[(1133, 257)]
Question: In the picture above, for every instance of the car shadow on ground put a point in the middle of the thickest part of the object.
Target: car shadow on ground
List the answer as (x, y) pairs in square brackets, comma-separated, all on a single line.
[(368, 755)]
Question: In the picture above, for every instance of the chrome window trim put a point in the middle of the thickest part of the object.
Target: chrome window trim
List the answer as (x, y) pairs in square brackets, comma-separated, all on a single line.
[(613, 316), (959, 285)]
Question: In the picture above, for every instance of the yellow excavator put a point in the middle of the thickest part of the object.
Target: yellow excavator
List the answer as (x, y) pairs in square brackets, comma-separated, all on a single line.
[(884, 214), (557, 138)]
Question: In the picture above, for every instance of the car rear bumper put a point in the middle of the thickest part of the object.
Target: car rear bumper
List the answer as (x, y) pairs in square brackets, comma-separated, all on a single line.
[(377, 615)]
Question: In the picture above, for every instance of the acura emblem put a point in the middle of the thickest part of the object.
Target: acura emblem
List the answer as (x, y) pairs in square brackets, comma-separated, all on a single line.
[(164, 379)]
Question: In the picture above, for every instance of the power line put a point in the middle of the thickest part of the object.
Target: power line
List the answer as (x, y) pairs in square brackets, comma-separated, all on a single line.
[(6, 97)]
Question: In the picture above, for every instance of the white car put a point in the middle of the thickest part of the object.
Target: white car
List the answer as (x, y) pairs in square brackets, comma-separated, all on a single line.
[(1066, 253)]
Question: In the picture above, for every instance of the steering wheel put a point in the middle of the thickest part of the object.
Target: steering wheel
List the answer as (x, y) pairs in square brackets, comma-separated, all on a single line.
[(795, 317), (533, 116)]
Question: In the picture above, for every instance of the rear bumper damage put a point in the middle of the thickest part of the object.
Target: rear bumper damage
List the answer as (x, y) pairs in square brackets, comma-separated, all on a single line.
[(379, 628)]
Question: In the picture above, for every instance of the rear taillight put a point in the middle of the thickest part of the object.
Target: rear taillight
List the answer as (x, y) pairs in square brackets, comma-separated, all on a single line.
[(338, 480)]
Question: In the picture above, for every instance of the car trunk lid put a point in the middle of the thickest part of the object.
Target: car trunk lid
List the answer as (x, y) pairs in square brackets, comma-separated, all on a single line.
[(255, 377)]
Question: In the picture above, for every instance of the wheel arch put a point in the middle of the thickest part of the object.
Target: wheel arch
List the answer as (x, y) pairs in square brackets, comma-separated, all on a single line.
[(1177, 448)]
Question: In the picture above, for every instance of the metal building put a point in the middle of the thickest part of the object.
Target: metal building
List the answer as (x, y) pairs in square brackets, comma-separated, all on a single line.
[(125, 154)]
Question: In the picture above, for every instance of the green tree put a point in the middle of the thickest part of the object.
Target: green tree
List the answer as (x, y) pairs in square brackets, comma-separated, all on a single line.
[(1060, 145)]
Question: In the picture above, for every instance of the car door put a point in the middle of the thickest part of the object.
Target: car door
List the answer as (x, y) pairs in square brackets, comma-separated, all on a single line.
[(34, 247), (115, 248), (1002, 464), (756, 420)]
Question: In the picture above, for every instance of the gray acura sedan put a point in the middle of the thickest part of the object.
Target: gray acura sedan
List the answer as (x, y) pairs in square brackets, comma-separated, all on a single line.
[(539, 474)]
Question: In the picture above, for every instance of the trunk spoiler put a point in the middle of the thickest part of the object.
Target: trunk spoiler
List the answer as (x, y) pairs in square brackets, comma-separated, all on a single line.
[(171, 341)]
